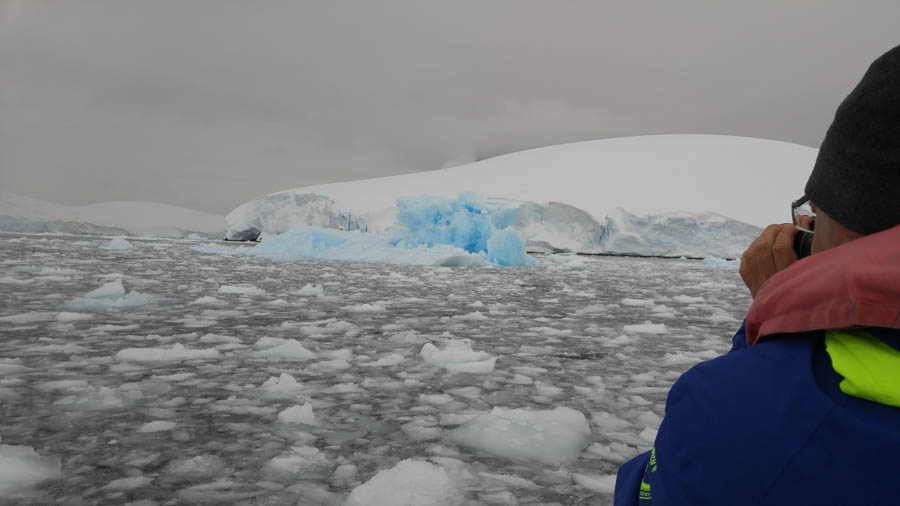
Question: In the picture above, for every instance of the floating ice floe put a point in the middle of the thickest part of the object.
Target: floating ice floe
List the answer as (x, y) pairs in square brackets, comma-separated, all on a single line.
[(21, 468), (283, 386), (550, 437), (458, 356), (109, 297), (409, 483), (32, 317), (130, 483), (249, 291), (298, 414), (156, 426), (301, 462), (603, 483), (175, 353), (119, 243), (195, 468), (647, 328), (290, 349), (309, 290)]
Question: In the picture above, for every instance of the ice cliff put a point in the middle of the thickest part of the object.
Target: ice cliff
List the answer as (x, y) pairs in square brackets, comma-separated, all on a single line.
[(467, 223)]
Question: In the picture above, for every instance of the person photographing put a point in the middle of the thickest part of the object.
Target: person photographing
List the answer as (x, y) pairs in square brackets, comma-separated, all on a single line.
[(805, 408)]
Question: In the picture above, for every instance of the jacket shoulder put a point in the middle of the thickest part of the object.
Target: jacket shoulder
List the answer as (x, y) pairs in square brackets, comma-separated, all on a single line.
[(734, 422)]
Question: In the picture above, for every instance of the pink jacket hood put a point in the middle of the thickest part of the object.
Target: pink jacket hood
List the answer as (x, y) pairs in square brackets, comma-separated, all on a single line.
[(854, 285)]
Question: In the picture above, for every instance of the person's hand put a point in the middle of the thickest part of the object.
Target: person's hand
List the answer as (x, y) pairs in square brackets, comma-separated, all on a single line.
[(769, 253)]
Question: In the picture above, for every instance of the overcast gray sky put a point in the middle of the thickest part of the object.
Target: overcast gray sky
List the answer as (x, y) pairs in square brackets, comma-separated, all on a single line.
[(207, 104)]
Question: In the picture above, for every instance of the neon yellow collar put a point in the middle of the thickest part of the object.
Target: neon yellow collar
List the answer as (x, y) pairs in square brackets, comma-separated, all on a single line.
[(870, 367)]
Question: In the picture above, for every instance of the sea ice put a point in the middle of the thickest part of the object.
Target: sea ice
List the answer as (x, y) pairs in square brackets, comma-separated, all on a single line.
[(458, 356), (22, 468), (119, 243), (284, 386), (249, 291), (409, 483), (301, 462), (111, 296), (603, 483), (291, 349), (195, 468), (309, 290), (550, 437), (156, 426), (298, 414), (176, 353), (129, 483), (647, 328)]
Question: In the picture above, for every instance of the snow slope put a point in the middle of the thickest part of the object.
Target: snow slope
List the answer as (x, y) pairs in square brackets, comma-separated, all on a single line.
[(23, 214), (750, 180)]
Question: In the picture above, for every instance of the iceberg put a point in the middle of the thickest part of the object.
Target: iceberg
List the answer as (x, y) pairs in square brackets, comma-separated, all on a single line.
[(432, 231), (282, 211)]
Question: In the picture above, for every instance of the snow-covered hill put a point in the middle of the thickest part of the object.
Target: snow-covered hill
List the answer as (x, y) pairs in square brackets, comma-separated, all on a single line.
[(573, 197), (23, 214)]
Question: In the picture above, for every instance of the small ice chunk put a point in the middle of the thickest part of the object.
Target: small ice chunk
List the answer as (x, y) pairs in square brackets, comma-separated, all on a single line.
[(112, 289), (549, 437), (246, 290), (647, 328), (129, 483), (206, 300), (156, 426), (289, 350), (216, 338), (176, 353), (458, 356), (118, 243), (636, 302), (648, 435), (285, 385), (309, 290), (365, 308), (298, 414), (195, 468), (387, 360), (302, 462), (22, 468), (603, 483), (65, 316), (409, 483)]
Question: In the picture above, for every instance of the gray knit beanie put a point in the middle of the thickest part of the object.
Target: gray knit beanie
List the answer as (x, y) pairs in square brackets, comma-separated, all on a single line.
[(856, 179)]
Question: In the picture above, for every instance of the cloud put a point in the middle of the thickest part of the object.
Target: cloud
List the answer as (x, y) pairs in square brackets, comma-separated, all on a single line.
[(210, 103)]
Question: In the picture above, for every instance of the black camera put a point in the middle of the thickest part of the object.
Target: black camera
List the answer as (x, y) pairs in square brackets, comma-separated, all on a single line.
[(803, 243)]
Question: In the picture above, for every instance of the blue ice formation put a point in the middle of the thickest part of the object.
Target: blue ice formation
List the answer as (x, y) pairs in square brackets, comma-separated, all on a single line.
[(467, 223), (431, 231)]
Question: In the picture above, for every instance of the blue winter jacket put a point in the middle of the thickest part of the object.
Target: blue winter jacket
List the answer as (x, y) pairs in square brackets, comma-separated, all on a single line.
[(769, 425)]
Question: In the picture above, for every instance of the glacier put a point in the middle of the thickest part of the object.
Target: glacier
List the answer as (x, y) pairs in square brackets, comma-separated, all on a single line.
[(573, 197), (20, 214), (471, 224)]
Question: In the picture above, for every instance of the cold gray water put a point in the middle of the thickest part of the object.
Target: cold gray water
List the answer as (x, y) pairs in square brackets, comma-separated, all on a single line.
[(173, 384)]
